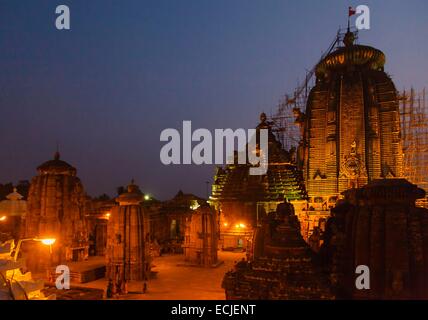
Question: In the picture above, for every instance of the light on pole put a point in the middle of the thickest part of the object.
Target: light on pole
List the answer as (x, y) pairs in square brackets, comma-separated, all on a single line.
[(48, 242)]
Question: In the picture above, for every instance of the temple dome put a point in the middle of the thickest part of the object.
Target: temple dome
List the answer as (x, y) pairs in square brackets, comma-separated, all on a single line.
[(56, 166), (351, 55), (133, 195)]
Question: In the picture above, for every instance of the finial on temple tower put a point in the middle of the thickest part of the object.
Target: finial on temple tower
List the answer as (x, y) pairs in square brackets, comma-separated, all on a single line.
[(57, 154), (349, 38)]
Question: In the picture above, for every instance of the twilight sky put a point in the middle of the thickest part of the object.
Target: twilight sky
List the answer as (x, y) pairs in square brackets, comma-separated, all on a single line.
[(129, 69)]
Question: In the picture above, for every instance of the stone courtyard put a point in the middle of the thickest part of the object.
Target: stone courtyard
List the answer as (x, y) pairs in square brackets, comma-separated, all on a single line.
[(173, 281)]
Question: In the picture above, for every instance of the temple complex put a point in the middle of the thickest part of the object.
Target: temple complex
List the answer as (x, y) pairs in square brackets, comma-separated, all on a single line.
[(201, 241), (128, 240), (55, 209), (351, 138), (243, 199), (333, 201)]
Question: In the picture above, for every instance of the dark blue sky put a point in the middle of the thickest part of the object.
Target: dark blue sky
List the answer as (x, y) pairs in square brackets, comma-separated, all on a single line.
[(129, 69)]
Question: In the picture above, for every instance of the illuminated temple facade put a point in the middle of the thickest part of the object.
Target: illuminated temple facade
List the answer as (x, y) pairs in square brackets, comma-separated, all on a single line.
[(243, 199), (350, 130), (351, 125), (350, 136), (55, 209)]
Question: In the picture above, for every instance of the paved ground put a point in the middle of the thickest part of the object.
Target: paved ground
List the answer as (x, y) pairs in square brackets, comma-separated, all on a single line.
[(174, 282)]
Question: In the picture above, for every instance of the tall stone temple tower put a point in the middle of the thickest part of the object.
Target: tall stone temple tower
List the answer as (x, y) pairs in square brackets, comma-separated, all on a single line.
[(351, 126), (128, 240), (55, 209)]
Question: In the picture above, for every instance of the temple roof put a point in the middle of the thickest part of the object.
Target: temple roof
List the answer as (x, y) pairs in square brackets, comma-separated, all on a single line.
[(185, 197), (386, 190), (133, 195), (56, 166), (282, 179), (183, 201)]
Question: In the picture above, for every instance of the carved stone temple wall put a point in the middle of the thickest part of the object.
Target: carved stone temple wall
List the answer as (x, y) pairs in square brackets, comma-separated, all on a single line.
[(281, 267), (201, 238), (351, 125), (55, 209), (128, 240), (380, 227)]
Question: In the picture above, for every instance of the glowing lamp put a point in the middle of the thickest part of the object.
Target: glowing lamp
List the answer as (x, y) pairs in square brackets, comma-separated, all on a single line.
[(146, 197), (3, 218), (241, 225), (225, 224), (48, 242)]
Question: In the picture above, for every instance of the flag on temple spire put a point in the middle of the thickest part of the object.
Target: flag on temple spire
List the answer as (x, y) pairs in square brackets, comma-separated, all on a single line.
[(351, 12)]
